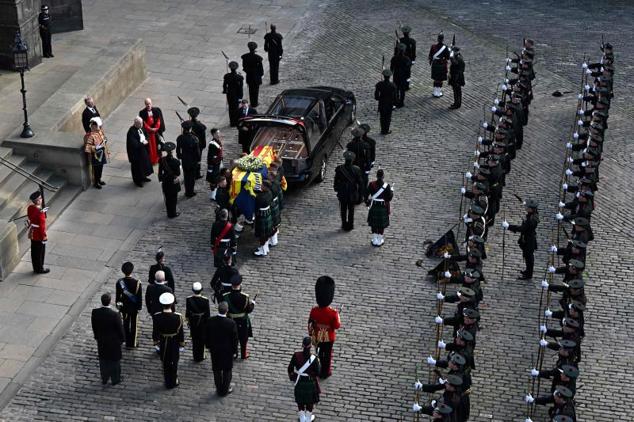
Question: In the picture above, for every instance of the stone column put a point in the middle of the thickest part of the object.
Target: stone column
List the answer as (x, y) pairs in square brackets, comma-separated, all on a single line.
[(19, 15)]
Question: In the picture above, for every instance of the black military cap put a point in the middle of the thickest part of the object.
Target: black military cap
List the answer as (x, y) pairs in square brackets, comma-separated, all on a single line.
[(567, 344), (455, 380), (577, 283), (569, 371), (252, 45), (127, 268), (607, 46), (406, 29), (443, 409), (457, 359), (475, 253), (44, 7), (578, 306), (531, 203), (476, 209), (169, 146), (193, 111), (581, 222), (470, 313), (571, 323), (187, 125), (455, 49), (563, 391), (465, 335), (236, 280), (466, 292), (233, 65), (306, 342), (476, 239), (35, 195), (387, 72), (576, 264)]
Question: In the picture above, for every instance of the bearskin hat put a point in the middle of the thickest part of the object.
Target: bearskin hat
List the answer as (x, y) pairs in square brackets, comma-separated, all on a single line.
[(324, 291)]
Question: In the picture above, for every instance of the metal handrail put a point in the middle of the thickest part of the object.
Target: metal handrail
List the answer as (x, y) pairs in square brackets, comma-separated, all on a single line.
[(30, 176)]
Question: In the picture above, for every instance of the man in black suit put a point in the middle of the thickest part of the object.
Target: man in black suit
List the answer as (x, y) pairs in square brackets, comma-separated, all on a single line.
[(160, 266), (252, 66), (129, 301), (245, 136), (108, 331), (221, 337), (188, 151), (154, 291), (89, 112), (140, 164)]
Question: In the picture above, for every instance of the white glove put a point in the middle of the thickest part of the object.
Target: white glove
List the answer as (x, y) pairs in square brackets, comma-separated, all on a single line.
[(494, 109), (575, 135), (438, 320), (548, 313), (553, 249), (587, 87), (480, 140), (544, 284), (485, 125), (441, 344), (468, 220), (496, 101), (418, 385), (580, 112), (440, 296), (468, 175), (508, 68), (504, 87), (431, 360), (508, 60), (579, 96), (564, 186), (45, 209), (559, 216), (551, 269), (463, 190), (584, 164), (584, 65), (433, 403), (568, 172), (568, 145), (181, 349), (579, 123), (441, 381), (588, 71), (561, 204), (476, 165), (529, 399), (416, 408), (157, 348), (476, 153), (446, 255), (570, 160), (505, 224), (543, 328), (447, 274), (528, 420), (543, 343), (534, 372)]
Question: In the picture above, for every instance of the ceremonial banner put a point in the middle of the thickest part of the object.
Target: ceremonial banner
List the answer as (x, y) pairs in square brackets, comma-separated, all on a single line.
[(446, 243)]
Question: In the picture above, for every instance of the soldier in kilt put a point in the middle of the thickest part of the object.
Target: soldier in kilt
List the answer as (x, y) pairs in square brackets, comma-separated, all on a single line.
[(303, 370), (276, 207), (378, 202), (263, 217)]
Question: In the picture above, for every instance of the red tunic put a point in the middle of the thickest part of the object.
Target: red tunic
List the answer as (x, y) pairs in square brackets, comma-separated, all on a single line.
[(322, 324), (37, 223), (148, 124)]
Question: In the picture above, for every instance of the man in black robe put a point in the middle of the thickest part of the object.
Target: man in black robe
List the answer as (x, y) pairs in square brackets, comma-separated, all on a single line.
[(273, 46), (136, 140)]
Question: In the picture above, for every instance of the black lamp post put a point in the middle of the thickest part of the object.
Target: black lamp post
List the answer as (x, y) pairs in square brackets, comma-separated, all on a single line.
[(21, 63)]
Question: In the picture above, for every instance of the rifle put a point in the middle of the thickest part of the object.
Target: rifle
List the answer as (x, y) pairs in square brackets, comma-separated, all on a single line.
[(179, 116), (504, 248), (226, 60), (249, 33), (397, 42), (453, 43), (182, 101), (518, 198)]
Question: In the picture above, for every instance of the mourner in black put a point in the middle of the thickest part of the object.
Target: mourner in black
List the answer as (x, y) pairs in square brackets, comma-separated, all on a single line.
[(108, 331), (232, 87), (304, 369), (240, 306), (385, 94), (197, 313), (528, 237), (273, 46), (214, 161), (438, 56), (245, 136), (252, 66), (362, 155), (169, 335), (401, 67), (44, 20), (129, 300), (154, 291), (168, 174), (221, 338), (188, 152), (410, 43), (200, 131), (456, 77), (89, 112), (140, 164), (224, 274), (348, 183), (160, 266)]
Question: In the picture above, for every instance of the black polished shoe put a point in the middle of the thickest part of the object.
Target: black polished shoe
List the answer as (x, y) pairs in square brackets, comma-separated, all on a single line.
[(43, 271), (102, 183), (97, 186), (525, 277), (147, 179)]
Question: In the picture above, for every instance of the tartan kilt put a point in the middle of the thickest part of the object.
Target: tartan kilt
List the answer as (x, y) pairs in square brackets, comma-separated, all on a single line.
[(306, 391), (263, 223), (276, 215), (378, 216), (438, 70)]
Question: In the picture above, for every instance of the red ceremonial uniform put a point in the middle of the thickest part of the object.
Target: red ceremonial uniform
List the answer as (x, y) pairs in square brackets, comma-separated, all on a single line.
[(37, 223), (322, 324)]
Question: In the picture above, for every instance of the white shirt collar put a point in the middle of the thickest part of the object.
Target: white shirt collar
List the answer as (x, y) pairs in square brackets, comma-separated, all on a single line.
[(224, 316)]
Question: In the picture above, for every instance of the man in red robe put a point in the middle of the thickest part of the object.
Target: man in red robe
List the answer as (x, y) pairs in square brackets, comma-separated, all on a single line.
[(322, 323), (154, 125), (37, 232)]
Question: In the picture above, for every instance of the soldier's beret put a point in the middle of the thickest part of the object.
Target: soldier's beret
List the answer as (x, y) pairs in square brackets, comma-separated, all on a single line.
[(567, 344), (357, 132), (127, 268), (35, 195), (607, 46), (348, 155), (576, 264), (476, 239), (581, 222), (236, 280), (166, 298), (406, 29), (476, 209), (443, 409), (569, 322), (471, 313), (196, 286), (578, 306), (186, 125), (169, 146), (466, 292), (457, 359), (252, 45), (455, 380), (531, 203), (563, 391), (569, 371), (577, 283), (193, 111), (233, 65), (387, 72), (465, 335)]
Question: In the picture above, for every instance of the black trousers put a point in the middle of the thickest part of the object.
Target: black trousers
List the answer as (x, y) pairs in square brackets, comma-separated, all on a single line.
[(386, 119), (254, 90), (189, 175), (400, 93), (171, 199), (324, 352), (198, 345), (234, 110), (170, 366), (457, 95), (222, 379), (529, 260), (347, 215), (97, 171), (38, 251), (110, 369), (47, 48), (274, 67), (130, 328)]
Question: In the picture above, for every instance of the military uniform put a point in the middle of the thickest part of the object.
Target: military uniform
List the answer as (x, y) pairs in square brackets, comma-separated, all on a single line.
[(252, 66), (44, 21), (232, 87), (168, 172), (168, 334), (37, 233), (304, 369), (129, 300), (273, 46), (401, 67), (380, 195), (187, 150), (199, 130), (456, 77), (223, 240), (528, 238), (348, 183), (385, 92), (197, 312), (263, 218), (323, 322), (240, 306), (438, 56)]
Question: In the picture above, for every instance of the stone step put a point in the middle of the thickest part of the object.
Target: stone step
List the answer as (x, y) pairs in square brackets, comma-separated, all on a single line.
[(6, 172), (12, 182)]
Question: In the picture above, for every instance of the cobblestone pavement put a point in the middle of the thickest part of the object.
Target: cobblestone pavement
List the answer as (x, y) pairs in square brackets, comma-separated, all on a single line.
[(388, 316)]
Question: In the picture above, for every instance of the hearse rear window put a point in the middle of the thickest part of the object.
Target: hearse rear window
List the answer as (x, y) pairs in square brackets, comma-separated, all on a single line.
[(291, 106), (288, 142)]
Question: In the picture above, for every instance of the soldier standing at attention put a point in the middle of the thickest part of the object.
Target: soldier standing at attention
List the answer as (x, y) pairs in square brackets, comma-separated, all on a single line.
[(232, 87), (200, 131), (322, 323), (410, 43), (197, 313), (168, 334), (456, 77), (37, 232), (385, 94), (349, 187), (438, 55), (129, 301), (44, 20), (273, 46), (168, 174), (401, 67), (252, 66), (379, 207), (528, 237), (303, 370), (188, 152), (240, 306)]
